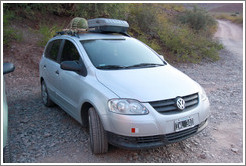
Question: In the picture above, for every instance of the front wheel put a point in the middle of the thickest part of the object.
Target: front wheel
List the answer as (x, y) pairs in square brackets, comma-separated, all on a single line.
[(98, 136)]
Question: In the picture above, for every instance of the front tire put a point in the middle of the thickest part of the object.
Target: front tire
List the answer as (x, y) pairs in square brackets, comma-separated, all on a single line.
[(45, 96), (98, 136)]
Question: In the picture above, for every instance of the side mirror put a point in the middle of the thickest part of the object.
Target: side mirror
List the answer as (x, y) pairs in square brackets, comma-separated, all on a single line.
[(70, 66), (162, 57), (8, 67)]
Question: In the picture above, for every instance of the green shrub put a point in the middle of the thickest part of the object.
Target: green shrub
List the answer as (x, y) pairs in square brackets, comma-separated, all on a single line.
[(197, 19), (47, 33), (9, 34), (186, 46), (142, 18)]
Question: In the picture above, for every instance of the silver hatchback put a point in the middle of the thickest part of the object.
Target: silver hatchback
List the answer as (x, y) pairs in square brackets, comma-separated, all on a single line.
[(126, 93)]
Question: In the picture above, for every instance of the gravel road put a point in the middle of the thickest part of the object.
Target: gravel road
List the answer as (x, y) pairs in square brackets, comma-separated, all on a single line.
[(41, 134)]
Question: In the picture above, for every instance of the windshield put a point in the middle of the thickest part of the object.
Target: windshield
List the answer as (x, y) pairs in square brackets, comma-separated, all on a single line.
[(120, 53)]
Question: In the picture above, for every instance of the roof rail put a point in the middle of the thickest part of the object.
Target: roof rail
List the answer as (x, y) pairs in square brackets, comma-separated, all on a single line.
[(71, 32)]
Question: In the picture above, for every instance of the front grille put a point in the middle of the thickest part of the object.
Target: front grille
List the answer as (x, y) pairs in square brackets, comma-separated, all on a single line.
[(173, 137), (137, 140), (169, 106)]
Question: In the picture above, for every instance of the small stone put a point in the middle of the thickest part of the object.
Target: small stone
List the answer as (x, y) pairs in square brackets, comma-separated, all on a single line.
[(235, 150), (25, 120), (53, 144), (203, 156), (135, 157), (47, 135)]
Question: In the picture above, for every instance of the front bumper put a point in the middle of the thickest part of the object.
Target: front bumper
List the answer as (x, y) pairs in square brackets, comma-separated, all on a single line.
[(153, 141)]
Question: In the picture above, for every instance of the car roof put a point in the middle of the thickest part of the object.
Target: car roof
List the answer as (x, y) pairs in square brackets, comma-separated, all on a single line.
[(95, 36)]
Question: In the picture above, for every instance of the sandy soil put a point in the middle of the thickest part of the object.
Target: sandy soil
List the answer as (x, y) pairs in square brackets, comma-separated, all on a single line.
[(231, 35)]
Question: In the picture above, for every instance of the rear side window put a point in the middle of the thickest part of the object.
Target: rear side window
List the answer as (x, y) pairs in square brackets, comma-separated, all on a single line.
[(70, 52), (52, 50)]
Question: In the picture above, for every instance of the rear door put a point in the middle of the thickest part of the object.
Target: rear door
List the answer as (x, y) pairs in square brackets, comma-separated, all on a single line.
[(50, 67)]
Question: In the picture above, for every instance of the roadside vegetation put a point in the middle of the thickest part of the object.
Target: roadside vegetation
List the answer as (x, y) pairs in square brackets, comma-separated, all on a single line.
[(179, 34), (235, 17), (9, 33)]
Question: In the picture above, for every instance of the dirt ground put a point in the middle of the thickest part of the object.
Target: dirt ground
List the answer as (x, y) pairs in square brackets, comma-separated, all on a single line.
[(48, 135)]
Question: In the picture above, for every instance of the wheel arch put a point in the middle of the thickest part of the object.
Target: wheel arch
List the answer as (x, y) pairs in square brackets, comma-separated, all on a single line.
[(84, 113), (41, 79)]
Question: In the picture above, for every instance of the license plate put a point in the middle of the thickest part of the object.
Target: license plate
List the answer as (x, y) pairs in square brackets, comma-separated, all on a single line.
[(184, 123)]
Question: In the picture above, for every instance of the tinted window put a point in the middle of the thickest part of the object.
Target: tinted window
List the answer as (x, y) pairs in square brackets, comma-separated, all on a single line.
[(52, 50), (70, 52), (121, 52)]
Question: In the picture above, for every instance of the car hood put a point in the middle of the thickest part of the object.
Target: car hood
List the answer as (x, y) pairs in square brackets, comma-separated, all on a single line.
[(148, 84)]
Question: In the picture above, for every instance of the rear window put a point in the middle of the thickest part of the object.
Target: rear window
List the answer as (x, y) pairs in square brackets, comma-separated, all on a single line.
[(52, 50)]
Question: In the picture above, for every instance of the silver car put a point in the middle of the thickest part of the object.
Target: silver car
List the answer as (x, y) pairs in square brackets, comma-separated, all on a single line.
[(126, 93)]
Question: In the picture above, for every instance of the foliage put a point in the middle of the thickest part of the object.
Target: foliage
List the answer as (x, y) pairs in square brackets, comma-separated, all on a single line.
[(235, 18), (108, 10), (186, 46), (197, 19), (47, 33), (9, 33), (142, 18), (183, 35)]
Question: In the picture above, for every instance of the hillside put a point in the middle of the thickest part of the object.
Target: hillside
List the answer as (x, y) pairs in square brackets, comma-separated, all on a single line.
[(169, 29), (217, 7), (229, 7)]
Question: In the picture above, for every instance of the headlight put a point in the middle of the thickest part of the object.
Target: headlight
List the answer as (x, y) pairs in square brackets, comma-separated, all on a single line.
[(203, 94), (127, 106)]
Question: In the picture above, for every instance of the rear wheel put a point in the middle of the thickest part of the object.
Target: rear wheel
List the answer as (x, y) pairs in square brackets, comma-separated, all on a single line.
[(98, 136), (6, 154), (45, 96)]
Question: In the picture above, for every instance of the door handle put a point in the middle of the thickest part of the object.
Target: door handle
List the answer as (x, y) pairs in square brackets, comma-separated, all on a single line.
[(57, 72)]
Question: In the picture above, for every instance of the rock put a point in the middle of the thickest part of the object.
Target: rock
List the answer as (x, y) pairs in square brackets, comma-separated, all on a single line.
[(135, 157), (53, 144), (25, 120), (47, 135), (203, 156), (235, 150)]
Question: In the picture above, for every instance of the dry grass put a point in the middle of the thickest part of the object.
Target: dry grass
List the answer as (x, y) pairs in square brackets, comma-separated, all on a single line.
[(233, 17)]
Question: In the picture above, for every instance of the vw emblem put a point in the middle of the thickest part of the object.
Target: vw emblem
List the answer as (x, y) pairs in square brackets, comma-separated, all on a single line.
[(180, 103)]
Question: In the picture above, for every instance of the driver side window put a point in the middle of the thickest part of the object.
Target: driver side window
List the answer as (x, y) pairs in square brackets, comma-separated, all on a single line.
[(70, 52)]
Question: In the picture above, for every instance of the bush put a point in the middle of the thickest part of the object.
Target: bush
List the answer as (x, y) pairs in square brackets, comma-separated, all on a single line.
[(186, 46), (47, 33), (9, 33), (197, 19)]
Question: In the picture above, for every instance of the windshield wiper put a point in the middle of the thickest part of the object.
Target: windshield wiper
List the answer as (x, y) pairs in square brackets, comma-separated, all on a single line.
[(111, 67), (145, 65)]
